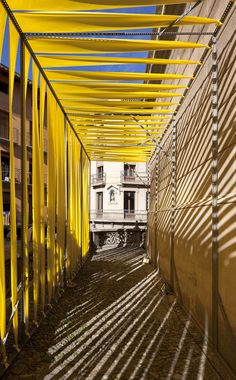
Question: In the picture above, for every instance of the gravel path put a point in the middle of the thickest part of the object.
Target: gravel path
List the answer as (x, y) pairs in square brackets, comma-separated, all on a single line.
[(116, 324)]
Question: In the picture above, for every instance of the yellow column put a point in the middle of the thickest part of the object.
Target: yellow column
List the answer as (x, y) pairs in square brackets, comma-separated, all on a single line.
[(42, 198), (61, 196), (51, 196), (25, 253), (85, 218), (69, 207), (13, 45), (2, 253), (35, 190)]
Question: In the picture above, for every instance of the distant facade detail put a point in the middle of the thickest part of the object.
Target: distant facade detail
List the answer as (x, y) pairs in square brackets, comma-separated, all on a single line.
[(5, 146), (118, 195)]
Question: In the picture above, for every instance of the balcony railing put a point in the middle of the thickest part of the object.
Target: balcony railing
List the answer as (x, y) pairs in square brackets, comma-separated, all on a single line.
[(98, 179), (121, 237), (6, 176), (133, 177), (99, 214), (128, 214), (16, 136), (128, 176), (118, 215)]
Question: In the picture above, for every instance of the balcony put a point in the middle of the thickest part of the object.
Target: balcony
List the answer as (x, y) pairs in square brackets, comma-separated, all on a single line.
[(128, 177), (113, 216), (17, 138), (16, 135), (134, 178), (6, 176), (98, 180), (129, 214), (99, 214)]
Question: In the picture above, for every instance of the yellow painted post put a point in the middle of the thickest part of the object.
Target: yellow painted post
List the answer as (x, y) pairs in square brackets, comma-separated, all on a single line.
[(69, 207), (35, 190), (62, 199), (42, 193), (51, 197), (2, 273), (2, 253), (85, 228), (25, 60), (60, 196), (56, 158), (13, 45)]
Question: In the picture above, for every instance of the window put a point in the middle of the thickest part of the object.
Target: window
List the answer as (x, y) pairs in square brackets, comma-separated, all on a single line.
[(129, 170), (4, 125), (147, 200), (6, 208), (129, 203), (5, 168), (100, 171), (4, 87), (100, 202)]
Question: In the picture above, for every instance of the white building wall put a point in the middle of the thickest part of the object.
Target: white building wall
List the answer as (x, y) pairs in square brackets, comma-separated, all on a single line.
[(114, 211)]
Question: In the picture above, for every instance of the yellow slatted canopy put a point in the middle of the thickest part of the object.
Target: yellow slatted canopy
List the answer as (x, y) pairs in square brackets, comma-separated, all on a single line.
[(119, 87), (112, 103), (103, 113), (97, 75), (49, 61), (116, 95), (114, 112), (86, 5), (64, 22), (104, 45), (125, 118), (93, 109)]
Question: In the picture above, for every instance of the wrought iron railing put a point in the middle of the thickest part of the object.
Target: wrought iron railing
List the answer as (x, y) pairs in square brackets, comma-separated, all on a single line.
[(118, 215), (121, 237), (129, 214), (133, 177), (6, 176), (16, 135), (98, 179)]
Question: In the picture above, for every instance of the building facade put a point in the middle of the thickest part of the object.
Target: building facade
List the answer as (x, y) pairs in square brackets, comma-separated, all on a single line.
[(5, 145), (119, 195)]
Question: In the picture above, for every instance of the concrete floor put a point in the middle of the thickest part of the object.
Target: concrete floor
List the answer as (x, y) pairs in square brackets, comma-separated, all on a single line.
[(115, 323)]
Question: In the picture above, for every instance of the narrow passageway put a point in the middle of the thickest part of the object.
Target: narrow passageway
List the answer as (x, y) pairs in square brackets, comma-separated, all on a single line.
[(115, 323)]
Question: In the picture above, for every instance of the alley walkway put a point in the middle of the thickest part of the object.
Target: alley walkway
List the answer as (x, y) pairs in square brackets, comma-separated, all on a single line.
[(116, 324)]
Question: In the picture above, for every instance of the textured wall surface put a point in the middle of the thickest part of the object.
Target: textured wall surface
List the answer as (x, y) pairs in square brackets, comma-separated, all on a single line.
[(184, 248)]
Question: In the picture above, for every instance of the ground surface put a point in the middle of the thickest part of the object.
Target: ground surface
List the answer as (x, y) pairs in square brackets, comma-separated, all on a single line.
[(116, 323)]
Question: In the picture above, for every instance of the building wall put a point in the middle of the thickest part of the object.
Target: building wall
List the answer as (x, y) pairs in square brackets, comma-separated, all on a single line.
[(114, 211), (4, 142), (184, 250)]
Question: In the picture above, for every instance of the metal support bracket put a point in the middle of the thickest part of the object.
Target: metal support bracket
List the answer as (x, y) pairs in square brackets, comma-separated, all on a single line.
[(173, 203), (214, 193), (152, 139)]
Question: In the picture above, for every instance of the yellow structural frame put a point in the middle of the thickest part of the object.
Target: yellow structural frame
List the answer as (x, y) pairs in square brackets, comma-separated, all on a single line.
[(89, 115)]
